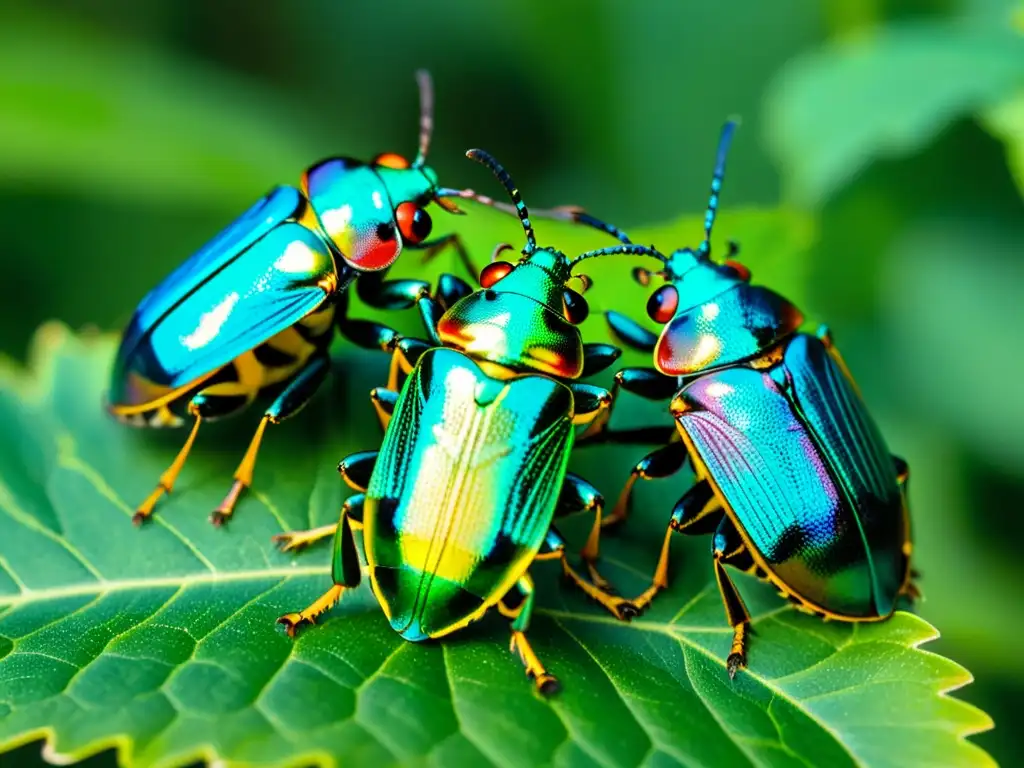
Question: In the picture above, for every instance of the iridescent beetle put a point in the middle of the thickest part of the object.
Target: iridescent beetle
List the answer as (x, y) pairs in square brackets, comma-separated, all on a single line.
[(252, 311), (460, 498), (792, 474)]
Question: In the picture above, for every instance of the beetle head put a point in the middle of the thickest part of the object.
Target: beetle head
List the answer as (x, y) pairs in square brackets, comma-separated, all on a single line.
[(525, 314), (711, 314)]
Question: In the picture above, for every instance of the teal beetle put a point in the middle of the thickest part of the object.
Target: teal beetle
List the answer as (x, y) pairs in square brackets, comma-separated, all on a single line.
[(251, 313), (792, 475), (460, 498)]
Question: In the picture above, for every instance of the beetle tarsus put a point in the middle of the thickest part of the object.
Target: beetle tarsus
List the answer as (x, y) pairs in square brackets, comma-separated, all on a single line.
[(293, 541), (548, 685), (734, 663), (292, 621)]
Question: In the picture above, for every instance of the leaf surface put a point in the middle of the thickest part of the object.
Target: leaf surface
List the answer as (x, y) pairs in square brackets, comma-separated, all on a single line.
[(161, 642), (885, 94)]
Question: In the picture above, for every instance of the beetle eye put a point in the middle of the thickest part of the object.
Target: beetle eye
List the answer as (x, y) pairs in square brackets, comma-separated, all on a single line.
[(413, 222), (741, 270), (663, 303), (574, 306), (391, 160), (493, 272)]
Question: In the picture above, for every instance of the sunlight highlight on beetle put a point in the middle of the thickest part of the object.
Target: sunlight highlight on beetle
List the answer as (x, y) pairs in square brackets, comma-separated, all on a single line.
[(210, 323)]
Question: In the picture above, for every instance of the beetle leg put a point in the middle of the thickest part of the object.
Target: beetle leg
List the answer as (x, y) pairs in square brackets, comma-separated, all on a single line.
[(298, 392), (617, 606), (580, 496), (345, 569), (645, 382), (384, 401), (379, 293), (430, 313), (690, 515), (910, 589), (590, 402), (450, 289), (597, 357), (403, 358), (735, 610), (368, 335), (214, 401), (664, 462), (433, 247), (355, 470), (630, 332), (546, 683), (167, 479)]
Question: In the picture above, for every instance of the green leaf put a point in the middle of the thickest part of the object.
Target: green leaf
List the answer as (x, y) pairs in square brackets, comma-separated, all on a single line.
[(882, 95), (84, 110), (160, 642), (1006, 121)]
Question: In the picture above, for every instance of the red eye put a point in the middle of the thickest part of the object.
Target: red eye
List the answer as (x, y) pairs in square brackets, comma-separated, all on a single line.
[(493, 272), (575, 306), (413, 222), (391, 160), (742, 272), (662, 304)]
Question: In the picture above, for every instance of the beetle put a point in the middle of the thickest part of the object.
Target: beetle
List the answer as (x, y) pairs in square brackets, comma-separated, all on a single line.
[(461, 497), (792, 475), (251, 313)]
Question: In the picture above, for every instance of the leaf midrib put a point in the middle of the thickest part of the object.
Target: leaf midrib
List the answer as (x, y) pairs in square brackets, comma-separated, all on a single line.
[(103, 586)]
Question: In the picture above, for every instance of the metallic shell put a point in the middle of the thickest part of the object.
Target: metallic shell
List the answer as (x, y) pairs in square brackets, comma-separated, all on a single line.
[(737, 324), (514, 330), (353, 207), (259, 276), (463, 491), (801, 468)]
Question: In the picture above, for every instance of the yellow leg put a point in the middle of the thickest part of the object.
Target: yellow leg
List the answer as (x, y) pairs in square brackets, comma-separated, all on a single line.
[(738, 651), (322, 604), (399, 365), (167, 479), (619, 607), (660, 580), (243, 477), (546, 683), (293, 541)]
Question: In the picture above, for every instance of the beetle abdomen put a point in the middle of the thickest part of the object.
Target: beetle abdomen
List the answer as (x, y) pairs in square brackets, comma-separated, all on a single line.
[(800, 466), (463, 491)]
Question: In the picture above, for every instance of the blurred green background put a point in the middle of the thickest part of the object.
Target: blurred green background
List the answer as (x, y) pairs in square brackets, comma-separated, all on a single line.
[(130, 132)]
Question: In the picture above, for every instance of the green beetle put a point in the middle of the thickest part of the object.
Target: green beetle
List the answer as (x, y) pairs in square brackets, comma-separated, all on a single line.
[(459, 500)]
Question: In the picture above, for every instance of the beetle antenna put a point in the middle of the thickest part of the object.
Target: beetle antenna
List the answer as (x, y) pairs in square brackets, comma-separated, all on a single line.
[(561, 213), (426, 85), (631, 249), (479, 156), (716, 185)]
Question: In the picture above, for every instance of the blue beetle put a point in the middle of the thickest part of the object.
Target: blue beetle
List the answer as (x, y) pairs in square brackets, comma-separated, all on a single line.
[(252, 312), (793, 476)]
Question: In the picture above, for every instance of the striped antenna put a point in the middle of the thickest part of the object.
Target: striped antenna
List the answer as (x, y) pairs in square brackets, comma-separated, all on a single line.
[(561, 213), (426, 115), (716, 185), (615, 250), (479, 156)]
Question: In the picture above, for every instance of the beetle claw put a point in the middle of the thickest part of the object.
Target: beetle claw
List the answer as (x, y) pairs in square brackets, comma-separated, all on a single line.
[(627, 611), (291, 622), (286, 542), (734, 663), (218, 518), (548, 685)]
